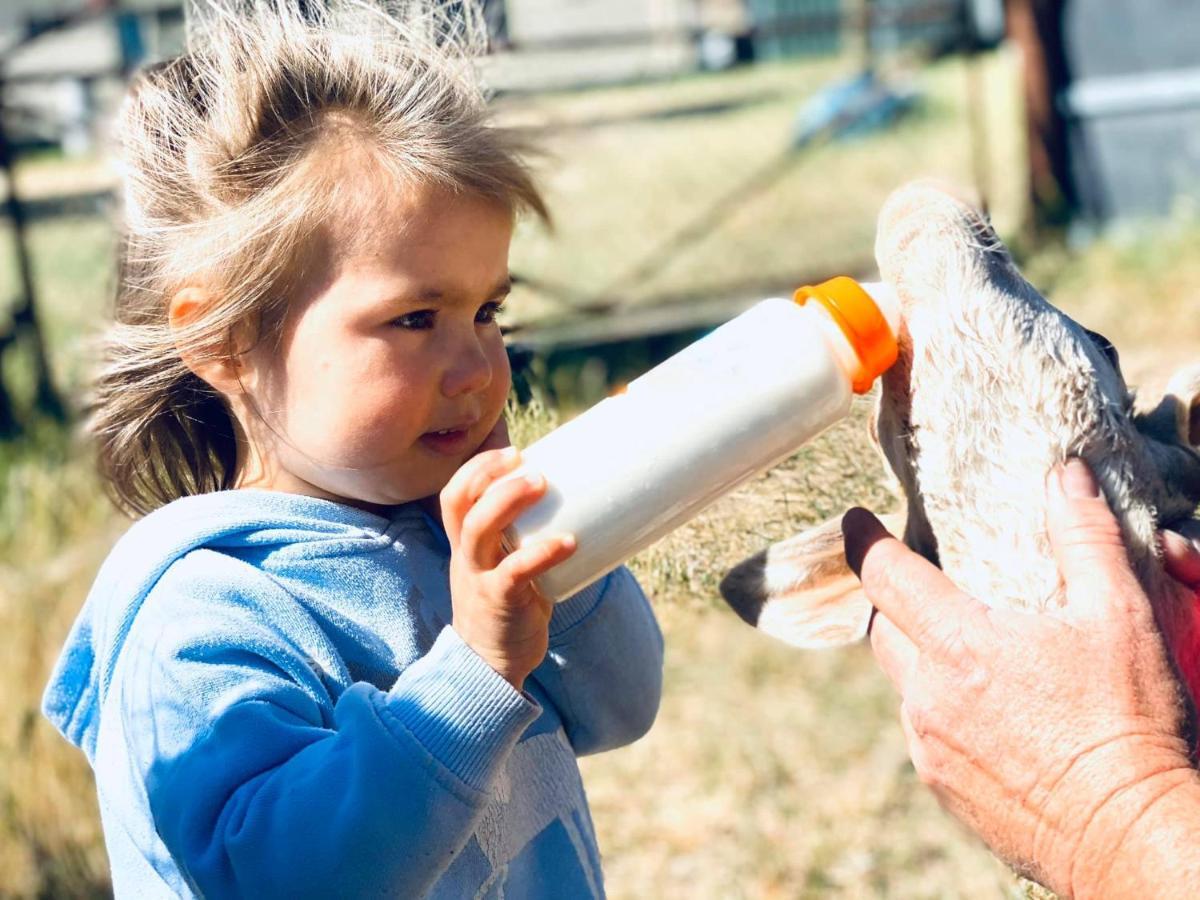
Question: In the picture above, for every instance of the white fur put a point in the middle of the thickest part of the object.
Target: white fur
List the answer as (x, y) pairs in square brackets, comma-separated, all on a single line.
[(993, 386)]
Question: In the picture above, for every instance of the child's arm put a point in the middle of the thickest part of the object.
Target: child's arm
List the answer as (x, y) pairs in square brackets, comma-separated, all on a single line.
[(603, 671), (598, 654), (266, 778)]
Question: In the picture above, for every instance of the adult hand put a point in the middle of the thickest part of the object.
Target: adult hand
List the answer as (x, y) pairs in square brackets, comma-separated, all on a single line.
[(1054, 736), (1181, 554)]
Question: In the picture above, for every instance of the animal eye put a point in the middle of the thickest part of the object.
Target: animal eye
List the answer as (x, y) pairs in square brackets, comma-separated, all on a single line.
[(1105, 346), (421, 320), (488, 312)]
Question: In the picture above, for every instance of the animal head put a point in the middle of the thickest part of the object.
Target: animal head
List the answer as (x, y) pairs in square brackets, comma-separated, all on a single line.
[(993, 386)]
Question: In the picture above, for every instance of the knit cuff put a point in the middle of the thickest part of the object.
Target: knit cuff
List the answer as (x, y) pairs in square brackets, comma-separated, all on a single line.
[(577, 607), (461, 710)]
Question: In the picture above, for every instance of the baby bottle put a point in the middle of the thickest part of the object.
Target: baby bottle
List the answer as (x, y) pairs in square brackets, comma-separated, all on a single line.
[(739, 400)]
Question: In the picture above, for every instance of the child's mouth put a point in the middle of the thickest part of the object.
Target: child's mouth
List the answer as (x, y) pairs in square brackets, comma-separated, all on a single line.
[(448, 442)]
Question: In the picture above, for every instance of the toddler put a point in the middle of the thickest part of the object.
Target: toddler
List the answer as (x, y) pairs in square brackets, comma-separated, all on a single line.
[(311, 669)]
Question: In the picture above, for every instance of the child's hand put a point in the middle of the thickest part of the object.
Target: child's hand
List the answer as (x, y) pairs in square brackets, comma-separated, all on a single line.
[(497, 610)]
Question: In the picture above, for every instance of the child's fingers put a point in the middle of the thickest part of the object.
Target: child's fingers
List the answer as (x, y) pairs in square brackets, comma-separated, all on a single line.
[(479, 536), (531, 560), (469, 483)]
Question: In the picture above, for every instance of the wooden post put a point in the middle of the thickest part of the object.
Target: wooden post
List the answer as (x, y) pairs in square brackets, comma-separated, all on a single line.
[(857, 28), (25, 325), (1036, 27)]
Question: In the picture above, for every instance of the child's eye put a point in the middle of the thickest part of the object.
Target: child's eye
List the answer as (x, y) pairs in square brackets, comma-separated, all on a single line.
[(421, 320), (488, 312)]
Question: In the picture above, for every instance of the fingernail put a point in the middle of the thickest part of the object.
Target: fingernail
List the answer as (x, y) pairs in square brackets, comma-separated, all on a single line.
[(860, 529), (535, 480), (509, 452), (1179, 545), (1077, 480), (1176, 543)]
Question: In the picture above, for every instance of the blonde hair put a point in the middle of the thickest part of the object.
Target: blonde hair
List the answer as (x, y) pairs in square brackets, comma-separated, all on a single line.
[(221, 191)]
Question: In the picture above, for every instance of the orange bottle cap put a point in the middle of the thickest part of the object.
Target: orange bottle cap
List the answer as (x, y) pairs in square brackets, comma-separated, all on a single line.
[(861, 322)]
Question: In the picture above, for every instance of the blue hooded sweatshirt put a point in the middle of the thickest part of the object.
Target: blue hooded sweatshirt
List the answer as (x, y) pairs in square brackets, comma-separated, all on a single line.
[(274, 704)]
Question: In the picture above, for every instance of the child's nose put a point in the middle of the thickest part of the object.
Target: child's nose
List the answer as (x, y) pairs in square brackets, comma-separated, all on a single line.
[(469, 372)]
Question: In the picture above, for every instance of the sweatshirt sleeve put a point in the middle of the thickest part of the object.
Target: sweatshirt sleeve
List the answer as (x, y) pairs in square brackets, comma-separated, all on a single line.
[(603, 671), (262, 784)]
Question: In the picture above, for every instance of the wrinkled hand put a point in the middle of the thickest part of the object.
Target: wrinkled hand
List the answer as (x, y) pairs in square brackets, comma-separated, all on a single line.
[(496, 609), (1047, 734)]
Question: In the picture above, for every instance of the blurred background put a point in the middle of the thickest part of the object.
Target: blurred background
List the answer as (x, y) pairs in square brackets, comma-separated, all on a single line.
[(700, 155)]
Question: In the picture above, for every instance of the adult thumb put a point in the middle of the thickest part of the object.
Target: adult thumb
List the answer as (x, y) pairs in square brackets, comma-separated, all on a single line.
[(1087, 542)]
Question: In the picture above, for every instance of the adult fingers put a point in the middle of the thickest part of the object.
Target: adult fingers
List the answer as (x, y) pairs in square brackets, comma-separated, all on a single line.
[(469, 483), (1087, 543), (916, 740), (895, 653), (1190, 529), (1181, 558), (912, 592), (496, 509)]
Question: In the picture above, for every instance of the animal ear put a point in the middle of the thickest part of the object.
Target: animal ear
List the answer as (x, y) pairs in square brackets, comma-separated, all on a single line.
[(1176, 418), (801, 590), (1184, 388)]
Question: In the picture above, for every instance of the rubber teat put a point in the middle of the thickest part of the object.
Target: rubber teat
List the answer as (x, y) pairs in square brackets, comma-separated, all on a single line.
[(861, 321)]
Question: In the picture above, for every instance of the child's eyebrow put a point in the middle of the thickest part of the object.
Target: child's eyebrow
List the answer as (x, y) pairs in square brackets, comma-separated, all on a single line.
[(436, 295)]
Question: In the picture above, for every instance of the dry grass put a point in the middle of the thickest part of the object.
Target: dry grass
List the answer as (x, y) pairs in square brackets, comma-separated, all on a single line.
[(773, 773), (770, 773), (630, 167), (55, 529)]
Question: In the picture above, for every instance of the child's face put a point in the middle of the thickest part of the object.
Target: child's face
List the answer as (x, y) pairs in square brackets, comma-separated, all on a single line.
[(391, 370)]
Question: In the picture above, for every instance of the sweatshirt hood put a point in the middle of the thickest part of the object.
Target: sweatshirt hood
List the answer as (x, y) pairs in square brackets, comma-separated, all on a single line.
[(224, 520)]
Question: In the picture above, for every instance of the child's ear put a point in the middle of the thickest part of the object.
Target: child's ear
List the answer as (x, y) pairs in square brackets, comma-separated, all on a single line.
[(217, 366)]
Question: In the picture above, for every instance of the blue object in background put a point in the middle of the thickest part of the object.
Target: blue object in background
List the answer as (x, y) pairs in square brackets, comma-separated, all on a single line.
[(129, 39), (851, 108)]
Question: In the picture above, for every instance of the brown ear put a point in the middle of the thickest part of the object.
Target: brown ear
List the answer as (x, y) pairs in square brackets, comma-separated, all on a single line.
[(1176, 418), (801, 590), (1172, 433), (1184, 388)]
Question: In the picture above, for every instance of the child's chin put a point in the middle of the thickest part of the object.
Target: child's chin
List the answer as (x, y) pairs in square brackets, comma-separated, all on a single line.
[(366, 491)]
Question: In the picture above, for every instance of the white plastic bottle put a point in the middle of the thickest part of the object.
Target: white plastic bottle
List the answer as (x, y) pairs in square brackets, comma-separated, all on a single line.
[(741, 399)]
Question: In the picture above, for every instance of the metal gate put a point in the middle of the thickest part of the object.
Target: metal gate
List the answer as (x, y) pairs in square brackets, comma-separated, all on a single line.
[(1132, 105)]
